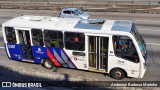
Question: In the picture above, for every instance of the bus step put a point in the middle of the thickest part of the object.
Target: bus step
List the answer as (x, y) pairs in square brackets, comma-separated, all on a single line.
[(26, 60)]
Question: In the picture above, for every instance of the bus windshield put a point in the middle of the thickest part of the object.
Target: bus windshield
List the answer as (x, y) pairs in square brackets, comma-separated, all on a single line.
[(139, 39)]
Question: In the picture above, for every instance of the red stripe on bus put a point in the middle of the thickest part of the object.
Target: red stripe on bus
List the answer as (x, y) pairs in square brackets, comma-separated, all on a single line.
[(52, 58)]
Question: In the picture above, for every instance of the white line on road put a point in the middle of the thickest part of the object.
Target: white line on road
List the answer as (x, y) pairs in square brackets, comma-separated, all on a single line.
[(153, 44), (149, 30), (147, 21), (1, 47)]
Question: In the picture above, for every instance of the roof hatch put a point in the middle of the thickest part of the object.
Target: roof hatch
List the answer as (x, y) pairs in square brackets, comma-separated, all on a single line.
[(91, 21), (33, 18), (93, 24)]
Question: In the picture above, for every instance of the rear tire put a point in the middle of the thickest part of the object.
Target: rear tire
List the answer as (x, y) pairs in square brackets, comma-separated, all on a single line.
[(47, 64), (117, 74)]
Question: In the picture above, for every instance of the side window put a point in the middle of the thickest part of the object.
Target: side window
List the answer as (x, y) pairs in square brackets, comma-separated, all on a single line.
[(67, 12), (53, 39), (74, 41), (124, 48), (37, 37), (10, 35), (73, 13)]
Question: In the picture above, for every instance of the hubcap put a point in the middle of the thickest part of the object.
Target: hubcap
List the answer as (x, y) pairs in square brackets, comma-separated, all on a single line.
[(117, 74), (47, 64)]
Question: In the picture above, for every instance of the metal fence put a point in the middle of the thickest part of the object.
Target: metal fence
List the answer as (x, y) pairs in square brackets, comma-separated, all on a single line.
[(99, 5), (129, 2)]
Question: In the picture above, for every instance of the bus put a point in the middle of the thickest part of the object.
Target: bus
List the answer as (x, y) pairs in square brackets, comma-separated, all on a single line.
[(112, 47)]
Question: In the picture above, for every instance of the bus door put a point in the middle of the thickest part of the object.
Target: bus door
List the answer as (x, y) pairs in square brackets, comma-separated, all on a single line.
[(98, 53), (25, 42)]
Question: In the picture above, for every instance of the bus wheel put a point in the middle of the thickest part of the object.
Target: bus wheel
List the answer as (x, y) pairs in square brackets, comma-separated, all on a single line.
[(117, 74), (48, 64)]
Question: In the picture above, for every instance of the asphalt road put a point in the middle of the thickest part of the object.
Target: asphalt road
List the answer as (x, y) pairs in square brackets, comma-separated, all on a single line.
[(147, 24)]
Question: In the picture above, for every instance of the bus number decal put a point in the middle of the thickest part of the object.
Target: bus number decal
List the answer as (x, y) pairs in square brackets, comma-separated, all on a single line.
[(11, 46), (121, 62)]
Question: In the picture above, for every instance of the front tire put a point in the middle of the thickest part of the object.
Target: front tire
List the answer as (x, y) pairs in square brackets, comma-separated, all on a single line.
[(117, 74), (47, 64)]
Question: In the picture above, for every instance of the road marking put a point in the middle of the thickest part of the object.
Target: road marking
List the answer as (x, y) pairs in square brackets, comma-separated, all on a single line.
[(149, 30), (147, 21), (2, 47), (154, 44)]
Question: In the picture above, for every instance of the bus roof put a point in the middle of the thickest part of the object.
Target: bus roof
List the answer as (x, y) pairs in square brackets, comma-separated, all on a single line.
[(70, 24)]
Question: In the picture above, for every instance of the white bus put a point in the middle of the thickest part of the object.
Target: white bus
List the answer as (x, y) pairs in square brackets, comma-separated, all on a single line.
[(111, 47)]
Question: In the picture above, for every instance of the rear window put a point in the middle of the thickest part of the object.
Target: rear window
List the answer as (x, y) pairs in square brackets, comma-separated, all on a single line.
[(10, 35)]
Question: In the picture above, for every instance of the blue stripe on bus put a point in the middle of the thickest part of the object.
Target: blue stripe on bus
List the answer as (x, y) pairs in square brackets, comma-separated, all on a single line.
[(40, 53), (69, 59), (57, 55), (63, 57)]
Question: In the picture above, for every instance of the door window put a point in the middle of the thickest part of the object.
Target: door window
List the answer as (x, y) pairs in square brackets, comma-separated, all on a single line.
[(24, 38), (103, 52), (67, 12), (92, 51), (98, 52), (74, 13)]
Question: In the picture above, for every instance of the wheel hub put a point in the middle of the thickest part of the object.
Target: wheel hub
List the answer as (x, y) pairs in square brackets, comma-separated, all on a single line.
[(118, 74), (47, 64)]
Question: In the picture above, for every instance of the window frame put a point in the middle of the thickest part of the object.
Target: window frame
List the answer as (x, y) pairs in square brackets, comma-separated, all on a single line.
[(67, 12), (6, 34), (40, 38), (50, 43), (65, 39), (124, 56)]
